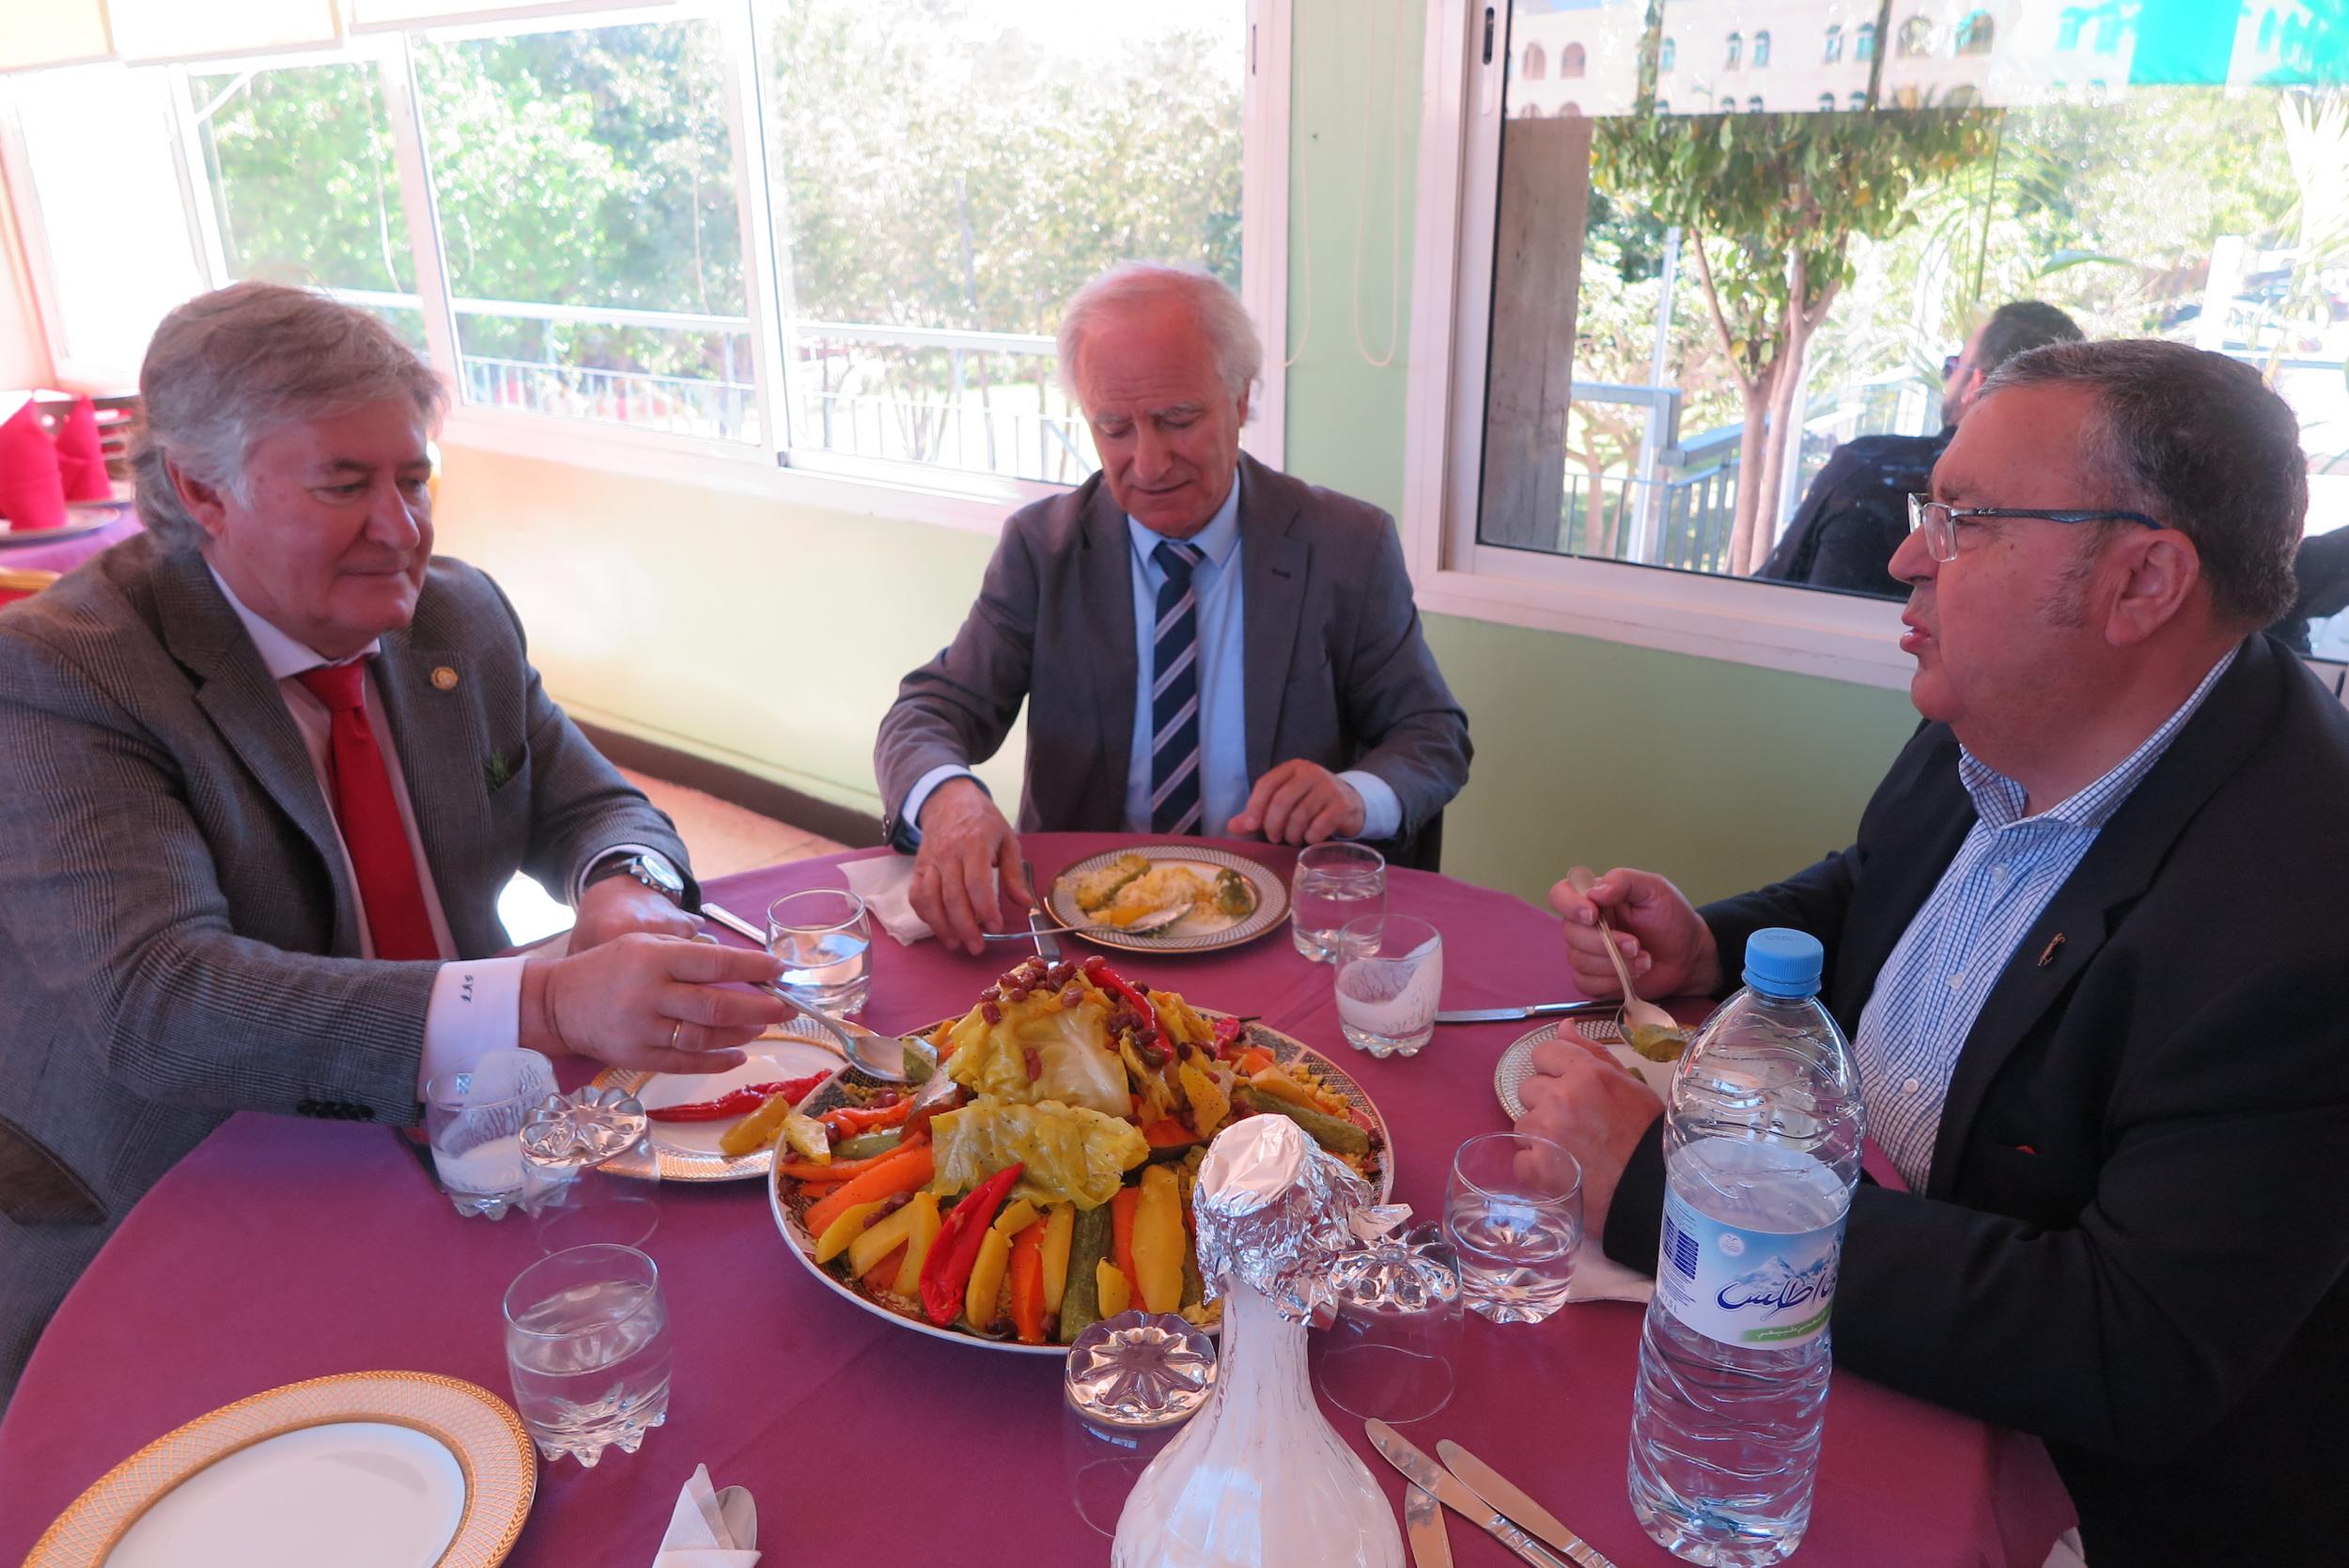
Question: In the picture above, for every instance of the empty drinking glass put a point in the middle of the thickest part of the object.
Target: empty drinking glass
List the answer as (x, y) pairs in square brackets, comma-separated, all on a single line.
[(475, 1119), (1514, 1212), (1388, 1354), (583, 1156), (588, 1345), (1390, 981), (1335, 883), (825, 939), (1129, 1386)]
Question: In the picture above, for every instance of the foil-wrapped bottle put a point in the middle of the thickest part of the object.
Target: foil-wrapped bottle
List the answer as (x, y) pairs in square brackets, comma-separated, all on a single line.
[(1259, 1478)]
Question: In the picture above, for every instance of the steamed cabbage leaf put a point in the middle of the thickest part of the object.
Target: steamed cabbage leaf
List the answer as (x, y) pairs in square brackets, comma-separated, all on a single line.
[(1075, 1063), (1070, 1155)]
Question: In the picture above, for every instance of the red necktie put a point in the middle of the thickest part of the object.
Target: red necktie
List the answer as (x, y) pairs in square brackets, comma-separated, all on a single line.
[(368, 813)]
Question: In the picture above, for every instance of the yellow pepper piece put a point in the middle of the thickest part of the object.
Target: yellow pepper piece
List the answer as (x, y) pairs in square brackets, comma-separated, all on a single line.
[(1017, 1217), (1110, 1288), (926, 1223), (1158, 1241), (758, 1129), (844, 1229), (1060, 1229), (986, 1278), (883, 1235), (1276, 1082)]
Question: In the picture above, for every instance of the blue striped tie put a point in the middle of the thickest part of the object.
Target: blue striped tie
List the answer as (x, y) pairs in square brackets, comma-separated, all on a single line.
[(1174, 694)]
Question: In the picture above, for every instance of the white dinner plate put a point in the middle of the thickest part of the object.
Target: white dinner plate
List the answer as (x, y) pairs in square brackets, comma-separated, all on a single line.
[(1516, 1064), (1193, 933), (689, 1150), (1285, 1048), (367, 1470)]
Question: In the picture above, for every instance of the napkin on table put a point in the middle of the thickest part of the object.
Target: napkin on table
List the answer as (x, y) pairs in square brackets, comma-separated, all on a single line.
[(711, 1530), (80, 457), (885, 882), (32, 492)]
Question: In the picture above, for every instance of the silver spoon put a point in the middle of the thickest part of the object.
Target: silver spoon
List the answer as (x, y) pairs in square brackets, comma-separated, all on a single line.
[(870, 1052), (1636, 1011)]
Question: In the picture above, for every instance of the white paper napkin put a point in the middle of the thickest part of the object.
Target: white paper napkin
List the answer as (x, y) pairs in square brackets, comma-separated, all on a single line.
[(711, 1530), (885, 882), (1600, 1278)]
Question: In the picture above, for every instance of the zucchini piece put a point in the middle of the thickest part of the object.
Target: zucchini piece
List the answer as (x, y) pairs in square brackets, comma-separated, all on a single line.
[(1333, 1133), (1080, 1299)]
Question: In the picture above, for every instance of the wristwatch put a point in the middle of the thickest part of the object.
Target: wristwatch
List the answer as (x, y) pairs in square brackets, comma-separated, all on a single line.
[(652, 870)]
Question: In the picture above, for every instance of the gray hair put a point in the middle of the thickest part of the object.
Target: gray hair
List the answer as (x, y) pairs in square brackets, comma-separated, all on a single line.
[(2199, 442), (227, 367), (1215, 310)]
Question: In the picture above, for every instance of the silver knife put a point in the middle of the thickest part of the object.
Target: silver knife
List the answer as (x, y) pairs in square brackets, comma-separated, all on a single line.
[(1538, 1010), (1455, 1494), (1039, 929), (1431, 1543), (1498, 1490), (721, 915)]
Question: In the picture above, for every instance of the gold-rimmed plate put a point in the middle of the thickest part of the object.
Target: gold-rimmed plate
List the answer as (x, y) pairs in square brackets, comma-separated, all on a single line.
[(1195, 933), (367, 1470), (689, 1150), (1286, 1049), (1516, 1064)]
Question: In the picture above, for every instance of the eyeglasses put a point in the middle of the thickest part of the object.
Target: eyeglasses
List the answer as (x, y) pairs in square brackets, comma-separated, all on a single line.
[(1949, 365), (1937, 520)]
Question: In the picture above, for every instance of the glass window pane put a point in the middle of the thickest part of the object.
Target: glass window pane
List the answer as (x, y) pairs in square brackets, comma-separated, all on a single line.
[(1650, 402), (300, 169), (584, 181), (947, 176)]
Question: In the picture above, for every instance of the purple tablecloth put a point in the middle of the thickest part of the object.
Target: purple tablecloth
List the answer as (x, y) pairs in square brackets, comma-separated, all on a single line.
[(283, 1250), (33, 553)]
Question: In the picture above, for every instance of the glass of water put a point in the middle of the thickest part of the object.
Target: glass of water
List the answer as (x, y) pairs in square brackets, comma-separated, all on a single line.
[(825, 939), (1514, 1212), (1335, 883), (1390, 981), (588, 1345), (475, 1120)]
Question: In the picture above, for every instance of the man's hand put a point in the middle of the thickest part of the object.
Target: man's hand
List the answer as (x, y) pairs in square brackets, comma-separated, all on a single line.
[(616, 905), (1300, 802), (965, 844), (650, 1003), (1670, 952), (1578, 1097)]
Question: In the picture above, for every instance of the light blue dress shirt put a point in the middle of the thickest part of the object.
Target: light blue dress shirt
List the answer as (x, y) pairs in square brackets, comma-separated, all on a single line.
[(1933, 986), (1218, 585)]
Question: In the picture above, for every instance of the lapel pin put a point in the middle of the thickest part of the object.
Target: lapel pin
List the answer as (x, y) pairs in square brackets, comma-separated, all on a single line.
[(444, 678), (2047, 953)]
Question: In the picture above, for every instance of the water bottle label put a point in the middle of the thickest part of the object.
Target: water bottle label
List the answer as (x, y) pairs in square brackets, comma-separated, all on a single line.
[(1762, 1289)]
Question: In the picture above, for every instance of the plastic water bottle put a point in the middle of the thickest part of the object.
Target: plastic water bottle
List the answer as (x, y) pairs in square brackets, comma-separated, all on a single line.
[(1762, 1152)]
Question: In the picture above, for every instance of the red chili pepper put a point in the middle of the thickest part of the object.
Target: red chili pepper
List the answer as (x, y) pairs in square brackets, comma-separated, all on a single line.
[(738, 1102), (1099, 971), (946, 1272), (1227, 1032)]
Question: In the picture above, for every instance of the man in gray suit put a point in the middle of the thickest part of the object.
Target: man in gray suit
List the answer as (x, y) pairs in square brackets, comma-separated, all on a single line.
[(1203, 644), (263, 772)]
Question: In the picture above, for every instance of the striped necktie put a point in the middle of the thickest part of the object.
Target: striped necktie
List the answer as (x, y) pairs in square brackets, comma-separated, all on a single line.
[(1174, 806)]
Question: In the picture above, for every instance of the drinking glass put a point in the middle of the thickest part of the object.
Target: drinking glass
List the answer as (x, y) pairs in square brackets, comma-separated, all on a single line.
[(572, 1146), (1390, 981), (825, 939), (1129, 1386), (1514, 1212), (588, 1345), (1388, 1354), (475, 1119), (1335, 883)]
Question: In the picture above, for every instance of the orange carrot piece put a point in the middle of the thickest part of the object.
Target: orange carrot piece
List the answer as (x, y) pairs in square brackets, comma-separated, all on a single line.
[(1027, 1284), (846, 1170), (1168, 1133), (901, 1172), (1122, 1211), (1255, 1060), (882, 1274)]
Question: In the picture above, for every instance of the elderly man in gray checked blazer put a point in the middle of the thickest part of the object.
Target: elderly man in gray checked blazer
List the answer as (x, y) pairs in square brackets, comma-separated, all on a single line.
[(263, 772)]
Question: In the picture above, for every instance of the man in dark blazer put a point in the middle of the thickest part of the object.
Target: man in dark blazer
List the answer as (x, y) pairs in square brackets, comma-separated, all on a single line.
[(202, 909), (1205, 646), (2088, 944)]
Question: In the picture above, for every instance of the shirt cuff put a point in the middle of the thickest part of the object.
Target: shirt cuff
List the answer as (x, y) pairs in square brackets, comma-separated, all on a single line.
[(1382, 808), (476, 1008), (908, 835)]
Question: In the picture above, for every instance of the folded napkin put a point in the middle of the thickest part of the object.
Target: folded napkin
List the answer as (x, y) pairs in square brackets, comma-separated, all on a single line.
[(711, 1530), (885, 882), (32, 492), (1600, 1278), (81, 458)]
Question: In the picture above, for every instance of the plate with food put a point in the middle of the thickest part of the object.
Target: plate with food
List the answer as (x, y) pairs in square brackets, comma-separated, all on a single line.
[(1169, 898), (1652, 1057), (1041, 1180), (725, 1127)]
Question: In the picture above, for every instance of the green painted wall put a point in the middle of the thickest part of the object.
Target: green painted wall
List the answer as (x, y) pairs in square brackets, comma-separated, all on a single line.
[(772, 637)]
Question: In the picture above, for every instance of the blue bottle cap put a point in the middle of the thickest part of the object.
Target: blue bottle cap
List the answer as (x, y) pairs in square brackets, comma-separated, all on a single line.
[(1783, 962)]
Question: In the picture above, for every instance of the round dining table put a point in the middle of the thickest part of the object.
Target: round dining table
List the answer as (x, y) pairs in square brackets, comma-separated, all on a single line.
[(284, 1249), (92, 530)]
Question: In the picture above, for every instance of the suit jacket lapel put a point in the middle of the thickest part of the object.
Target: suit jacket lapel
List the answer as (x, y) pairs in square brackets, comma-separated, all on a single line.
[(1272, 567), (438, 731), (1104, 568), (2119, 866), (233, 688)]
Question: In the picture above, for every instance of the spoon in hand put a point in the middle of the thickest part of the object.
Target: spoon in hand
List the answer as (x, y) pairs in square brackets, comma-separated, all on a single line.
[(1636, 1013)]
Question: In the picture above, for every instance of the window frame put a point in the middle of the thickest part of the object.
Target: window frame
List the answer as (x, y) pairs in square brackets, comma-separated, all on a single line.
[(765, 467)]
